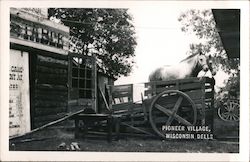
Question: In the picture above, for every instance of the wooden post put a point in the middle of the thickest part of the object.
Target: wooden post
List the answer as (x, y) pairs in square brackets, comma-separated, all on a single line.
[(117, 121), (109, 128), (32, 71), (95, 83), (132, 107), (69, 84), (212, 104), (77, 131), (203, 113), (110, 91)]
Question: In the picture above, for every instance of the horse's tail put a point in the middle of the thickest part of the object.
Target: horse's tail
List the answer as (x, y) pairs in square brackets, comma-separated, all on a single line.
[(152, 76), (155, 75)]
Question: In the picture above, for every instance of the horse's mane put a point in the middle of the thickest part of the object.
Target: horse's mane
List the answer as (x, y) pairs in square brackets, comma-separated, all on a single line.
[(189, 57)]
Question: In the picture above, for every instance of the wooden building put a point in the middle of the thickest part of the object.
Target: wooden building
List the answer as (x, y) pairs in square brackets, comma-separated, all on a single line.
[(46, 81), (38, 69), (228, 26)]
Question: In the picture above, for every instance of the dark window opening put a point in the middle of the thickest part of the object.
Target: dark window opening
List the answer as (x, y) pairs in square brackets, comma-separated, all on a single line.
[(74, 72), (75, 83)]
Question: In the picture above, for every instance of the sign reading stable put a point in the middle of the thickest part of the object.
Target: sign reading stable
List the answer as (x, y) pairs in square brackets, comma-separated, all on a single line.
[(27, 30)]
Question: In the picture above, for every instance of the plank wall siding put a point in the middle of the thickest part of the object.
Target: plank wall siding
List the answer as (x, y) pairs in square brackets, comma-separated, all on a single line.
[(51, 91)]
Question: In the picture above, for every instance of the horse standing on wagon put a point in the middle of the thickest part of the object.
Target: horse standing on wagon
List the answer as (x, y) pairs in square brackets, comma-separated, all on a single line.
[(189, 67)]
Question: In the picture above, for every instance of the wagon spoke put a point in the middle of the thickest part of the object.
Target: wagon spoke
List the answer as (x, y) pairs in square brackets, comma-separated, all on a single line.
[(236, 106), (224, 114), (182, 120), (233, 118), (236, 117), (231, 106), (227, 116), (163, 109), (175, 109), (176, 116), (226, 107), (178, 103), (230, 117)]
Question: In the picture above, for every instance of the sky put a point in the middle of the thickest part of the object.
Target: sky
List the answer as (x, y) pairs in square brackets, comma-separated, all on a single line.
[(160, 41)]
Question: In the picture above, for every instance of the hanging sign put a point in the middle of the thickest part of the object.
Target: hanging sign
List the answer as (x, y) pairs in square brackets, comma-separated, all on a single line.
[(38, 32), (19, 96)]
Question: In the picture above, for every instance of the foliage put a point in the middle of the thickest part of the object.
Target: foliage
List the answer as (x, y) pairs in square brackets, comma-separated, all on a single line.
[(232, 88), (202, 24), (106, 33)]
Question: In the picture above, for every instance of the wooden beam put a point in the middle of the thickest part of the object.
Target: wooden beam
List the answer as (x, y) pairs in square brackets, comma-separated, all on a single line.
[(46, 125)]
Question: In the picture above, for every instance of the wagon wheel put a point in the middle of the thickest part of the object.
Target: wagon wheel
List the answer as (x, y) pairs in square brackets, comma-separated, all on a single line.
[(171, 107), (230, 111)]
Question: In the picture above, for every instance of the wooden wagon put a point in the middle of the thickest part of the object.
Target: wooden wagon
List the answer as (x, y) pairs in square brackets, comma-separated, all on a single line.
[(184, 102)]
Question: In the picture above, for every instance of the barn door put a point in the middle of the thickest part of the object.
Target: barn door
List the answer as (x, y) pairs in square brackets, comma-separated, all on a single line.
[(82, 82)]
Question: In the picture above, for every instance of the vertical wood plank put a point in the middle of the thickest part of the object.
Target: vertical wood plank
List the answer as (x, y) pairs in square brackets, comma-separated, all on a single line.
[(32, 71), (77, 131), (109, 128), (110, 91), (212, 105), (117, 123), (203, 113), (94, 82), (69, 80)]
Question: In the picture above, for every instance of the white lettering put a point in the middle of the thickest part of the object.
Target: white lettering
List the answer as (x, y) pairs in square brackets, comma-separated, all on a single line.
[(179, 136)]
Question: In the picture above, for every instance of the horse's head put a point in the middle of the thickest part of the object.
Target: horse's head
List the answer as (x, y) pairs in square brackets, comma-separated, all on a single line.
[(206, 63), (210, 65)]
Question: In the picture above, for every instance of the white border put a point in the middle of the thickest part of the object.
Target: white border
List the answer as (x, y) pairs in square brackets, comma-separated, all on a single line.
[(105, 156)]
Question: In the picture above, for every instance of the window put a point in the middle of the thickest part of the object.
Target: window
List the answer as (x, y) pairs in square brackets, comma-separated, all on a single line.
[(82, 74)]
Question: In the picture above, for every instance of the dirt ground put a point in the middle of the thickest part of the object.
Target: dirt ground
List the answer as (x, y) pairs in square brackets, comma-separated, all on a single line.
[(61, 138)]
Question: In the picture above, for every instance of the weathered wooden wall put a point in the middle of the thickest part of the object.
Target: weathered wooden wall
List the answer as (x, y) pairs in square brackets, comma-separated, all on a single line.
[(47, 45), (50, 95), (103, 81)]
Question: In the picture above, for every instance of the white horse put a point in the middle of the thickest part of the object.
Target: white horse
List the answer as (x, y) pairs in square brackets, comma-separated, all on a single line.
[(189, 67)]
